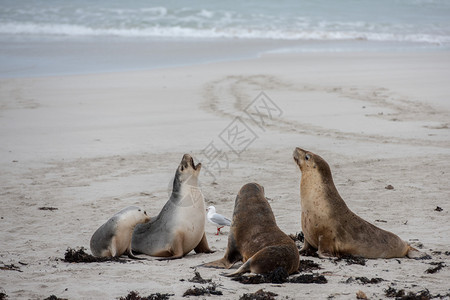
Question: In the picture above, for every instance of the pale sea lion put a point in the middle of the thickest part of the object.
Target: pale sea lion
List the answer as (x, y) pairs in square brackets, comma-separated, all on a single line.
[(331, 227), (255, 238), (114, 237), (180, 226)]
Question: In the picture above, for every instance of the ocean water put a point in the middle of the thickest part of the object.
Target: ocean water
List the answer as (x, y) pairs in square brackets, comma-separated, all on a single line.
[(425, 21), (294, 25)]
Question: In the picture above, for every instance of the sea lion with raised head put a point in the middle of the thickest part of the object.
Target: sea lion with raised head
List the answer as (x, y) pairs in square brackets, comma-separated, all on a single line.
[(180, 226), (330, 227), (255, 238), (113, 238)]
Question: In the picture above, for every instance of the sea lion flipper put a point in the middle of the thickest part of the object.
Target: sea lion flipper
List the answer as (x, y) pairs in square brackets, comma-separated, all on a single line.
[(416, 254), (245, 268), (222, 263), (203, 246), (132, 256)]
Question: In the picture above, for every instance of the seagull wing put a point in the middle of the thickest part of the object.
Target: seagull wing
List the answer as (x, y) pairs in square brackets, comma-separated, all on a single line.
[(220, 220)]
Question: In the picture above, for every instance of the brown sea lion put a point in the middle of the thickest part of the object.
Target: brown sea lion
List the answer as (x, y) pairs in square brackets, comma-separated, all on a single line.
[(255, 238), (331, 227)]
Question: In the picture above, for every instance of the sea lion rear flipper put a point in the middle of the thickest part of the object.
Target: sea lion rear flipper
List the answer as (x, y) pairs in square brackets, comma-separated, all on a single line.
[(132, 256), (245, 268), (222, 263), (203, 246)]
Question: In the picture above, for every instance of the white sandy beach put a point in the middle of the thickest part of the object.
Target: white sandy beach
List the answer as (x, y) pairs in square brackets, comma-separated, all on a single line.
[(90, 145)]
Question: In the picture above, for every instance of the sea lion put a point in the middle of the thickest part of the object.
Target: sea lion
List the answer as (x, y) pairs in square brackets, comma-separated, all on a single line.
[(330, 227), (255, 238), (114, 237), (180, 226)]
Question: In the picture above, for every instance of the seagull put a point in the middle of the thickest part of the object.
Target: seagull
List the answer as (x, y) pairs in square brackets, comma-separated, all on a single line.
[(217, 219)]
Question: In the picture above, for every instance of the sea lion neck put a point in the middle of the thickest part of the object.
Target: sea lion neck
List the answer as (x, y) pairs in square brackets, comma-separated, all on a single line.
[(317, 182)]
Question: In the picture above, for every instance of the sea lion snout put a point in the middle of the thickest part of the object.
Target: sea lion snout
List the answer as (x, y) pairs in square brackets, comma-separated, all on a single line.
[(298, 155)]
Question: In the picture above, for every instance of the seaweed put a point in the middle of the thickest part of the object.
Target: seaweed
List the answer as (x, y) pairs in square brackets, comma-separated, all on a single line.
[(352, 260), (135, 296), (259, 295), (53, 297), (439, 265), (80, 256), (297, 237), (402, 295), (279, 275), (198, 278), (10, 267), (308, 265), (48, 208), (209, 290), (309, 278), (365, 280)]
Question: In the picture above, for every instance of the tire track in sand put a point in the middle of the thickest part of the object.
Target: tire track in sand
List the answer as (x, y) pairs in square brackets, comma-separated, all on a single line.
[(229, 96)]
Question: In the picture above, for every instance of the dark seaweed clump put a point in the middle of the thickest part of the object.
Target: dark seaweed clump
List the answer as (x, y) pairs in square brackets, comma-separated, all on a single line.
[(352, 260), (198, 278), (10, 267), (53, 297), (298, 237), (310, 252), (439, 265), (209, 290), (365, 280), (135, 296), (80, 256), (259, 295), (48, 208), (309, 278), (402, 295), (280, 275), (308, 265)]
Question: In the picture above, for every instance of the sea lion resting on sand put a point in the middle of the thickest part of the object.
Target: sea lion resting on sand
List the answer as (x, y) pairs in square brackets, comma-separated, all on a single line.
[(180, 226), (113, 238), (331, 227), (255, 238)]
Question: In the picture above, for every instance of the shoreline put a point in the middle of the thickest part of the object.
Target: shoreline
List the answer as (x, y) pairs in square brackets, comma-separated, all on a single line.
[(44, 56)]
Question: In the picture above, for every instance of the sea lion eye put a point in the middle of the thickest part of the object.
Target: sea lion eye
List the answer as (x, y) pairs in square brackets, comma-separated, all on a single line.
[(139, 209), (145, 213), (182, 168), (307, 156)]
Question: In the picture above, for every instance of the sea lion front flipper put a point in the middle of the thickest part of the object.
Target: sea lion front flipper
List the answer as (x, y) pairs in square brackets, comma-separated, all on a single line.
[(203, 246), (322, 251)]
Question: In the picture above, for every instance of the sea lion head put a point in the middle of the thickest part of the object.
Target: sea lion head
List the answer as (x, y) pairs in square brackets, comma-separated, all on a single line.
[(187, 170), (185, 181), (134, 215), (310, 162), (251, 189)]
